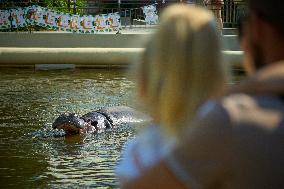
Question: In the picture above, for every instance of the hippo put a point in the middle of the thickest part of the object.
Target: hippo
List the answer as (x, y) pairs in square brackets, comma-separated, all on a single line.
[(98, 120)]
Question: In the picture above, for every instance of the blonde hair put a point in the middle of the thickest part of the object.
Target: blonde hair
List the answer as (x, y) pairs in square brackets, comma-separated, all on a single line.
[(181, 66)]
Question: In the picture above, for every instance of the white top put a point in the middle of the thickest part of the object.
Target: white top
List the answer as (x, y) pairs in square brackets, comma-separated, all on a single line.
[(142, 152)]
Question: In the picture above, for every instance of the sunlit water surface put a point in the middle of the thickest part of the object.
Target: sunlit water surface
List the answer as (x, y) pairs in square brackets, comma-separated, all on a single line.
[(31, 99)]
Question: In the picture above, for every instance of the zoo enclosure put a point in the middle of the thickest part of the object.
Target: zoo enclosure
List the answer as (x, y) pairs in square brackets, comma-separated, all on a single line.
[(130, 10)]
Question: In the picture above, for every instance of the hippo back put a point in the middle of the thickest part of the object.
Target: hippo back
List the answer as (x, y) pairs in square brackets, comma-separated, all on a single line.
[(123, 114), (98, 120)]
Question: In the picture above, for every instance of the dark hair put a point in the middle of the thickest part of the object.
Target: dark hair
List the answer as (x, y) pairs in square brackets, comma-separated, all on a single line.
[(269, 10)]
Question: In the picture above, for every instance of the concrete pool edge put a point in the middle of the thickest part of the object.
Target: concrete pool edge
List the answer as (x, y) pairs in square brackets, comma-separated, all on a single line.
[(44, 50), (84, 57), (81, 57)]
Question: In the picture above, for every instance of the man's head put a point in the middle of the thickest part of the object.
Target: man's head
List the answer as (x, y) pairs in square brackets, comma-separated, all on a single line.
[(264, 32), (270, 11)]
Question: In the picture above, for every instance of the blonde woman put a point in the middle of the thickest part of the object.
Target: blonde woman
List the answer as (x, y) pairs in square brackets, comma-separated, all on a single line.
[(180, 70)]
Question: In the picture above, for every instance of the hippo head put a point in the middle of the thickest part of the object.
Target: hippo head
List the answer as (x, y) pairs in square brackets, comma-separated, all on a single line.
[(70, 123)]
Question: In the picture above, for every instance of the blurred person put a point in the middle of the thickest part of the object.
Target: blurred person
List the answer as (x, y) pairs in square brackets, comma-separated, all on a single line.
[(177, 74), (244, 45), (240, 8), (216, 7), (239, 141)]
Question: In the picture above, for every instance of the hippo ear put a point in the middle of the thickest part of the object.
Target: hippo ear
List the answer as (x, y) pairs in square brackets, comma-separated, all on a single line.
[(73, 114)]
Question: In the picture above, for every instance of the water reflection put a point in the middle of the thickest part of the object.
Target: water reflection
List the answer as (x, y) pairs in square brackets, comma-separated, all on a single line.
[(29, 99)]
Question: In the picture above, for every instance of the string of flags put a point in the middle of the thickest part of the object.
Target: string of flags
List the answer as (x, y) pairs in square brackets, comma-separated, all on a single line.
[(150, 14), (55, 20)]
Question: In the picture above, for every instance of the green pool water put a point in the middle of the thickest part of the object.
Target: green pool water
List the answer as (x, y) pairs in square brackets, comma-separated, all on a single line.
[(31, 99)]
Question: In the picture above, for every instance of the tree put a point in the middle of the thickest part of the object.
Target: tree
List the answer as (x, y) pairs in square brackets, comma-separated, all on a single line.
[(67, 6)]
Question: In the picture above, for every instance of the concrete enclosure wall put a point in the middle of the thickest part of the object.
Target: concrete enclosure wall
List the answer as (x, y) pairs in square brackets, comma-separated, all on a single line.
[(86, 50), (70, 40)]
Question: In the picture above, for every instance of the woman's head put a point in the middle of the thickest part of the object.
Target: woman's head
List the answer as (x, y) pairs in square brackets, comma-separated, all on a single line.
[(181, 67)]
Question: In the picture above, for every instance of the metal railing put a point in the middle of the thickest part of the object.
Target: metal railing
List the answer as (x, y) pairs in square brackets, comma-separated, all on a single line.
[(232, 10)]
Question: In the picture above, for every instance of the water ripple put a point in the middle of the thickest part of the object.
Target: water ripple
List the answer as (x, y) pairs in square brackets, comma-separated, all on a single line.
[(36, 156)]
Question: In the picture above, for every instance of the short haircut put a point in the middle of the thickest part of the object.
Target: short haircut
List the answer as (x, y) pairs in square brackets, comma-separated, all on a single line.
[(270, 10)]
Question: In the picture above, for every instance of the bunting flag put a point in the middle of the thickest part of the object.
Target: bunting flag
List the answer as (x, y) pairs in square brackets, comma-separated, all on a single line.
[(150, 14), (4, 19), (58, 21)]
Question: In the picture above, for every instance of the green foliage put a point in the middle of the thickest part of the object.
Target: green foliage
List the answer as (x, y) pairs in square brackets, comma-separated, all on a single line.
[(65, 5)]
